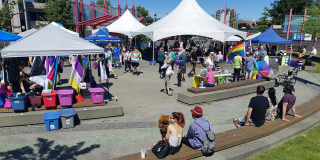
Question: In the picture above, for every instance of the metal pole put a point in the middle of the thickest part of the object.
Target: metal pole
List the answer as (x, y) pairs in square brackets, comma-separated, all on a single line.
[(25, 15), (215, 13), (304, 19), (288, 31), (153, 52), (225, 14), (234, 17)]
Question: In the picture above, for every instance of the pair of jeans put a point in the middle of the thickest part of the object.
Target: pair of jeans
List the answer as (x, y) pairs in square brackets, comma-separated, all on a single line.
[(208, 85), (127, 65), (236, 74), (311, 56), (116, 62), (179, 78)]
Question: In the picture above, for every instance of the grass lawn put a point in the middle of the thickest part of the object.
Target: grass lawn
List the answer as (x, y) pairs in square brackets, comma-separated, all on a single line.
[(317, 67), (305, 146)]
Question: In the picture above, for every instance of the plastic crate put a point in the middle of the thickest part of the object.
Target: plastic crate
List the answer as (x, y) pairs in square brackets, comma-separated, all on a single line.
[(96, 94), (35, 100), (67, 117), (50, 99), (51, 120), (18, 103), (65, 97)]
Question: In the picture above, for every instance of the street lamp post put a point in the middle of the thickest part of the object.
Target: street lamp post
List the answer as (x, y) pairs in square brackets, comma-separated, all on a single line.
[(155, 17)]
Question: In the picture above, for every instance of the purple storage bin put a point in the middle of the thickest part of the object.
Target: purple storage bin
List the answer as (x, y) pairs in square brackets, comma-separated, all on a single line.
[(259, 76), (96, 95), (65, 97)]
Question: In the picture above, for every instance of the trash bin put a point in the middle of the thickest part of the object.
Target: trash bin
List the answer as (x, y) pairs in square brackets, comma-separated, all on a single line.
[(51, 120), (65, 97), (50, 99), (18, 103), (96, 94), (67, 117)]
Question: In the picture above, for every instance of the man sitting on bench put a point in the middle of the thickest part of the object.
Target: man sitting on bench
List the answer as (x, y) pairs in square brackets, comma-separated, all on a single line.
[(287, 102), (196, 134), (258, 108)]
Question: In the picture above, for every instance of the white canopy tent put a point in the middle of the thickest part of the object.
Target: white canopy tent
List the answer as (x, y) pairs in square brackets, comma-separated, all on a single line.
[(125, 24), (71, 32), (28, 32), (50, 40), (189, 19), (253, 36)]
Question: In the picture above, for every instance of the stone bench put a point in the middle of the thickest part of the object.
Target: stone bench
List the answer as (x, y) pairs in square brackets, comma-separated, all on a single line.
[(238, 90), (310, 68)]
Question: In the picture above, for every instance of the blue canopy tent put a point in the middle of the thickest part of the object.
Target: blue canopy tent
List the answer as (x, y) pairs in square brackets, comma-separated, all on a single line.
[(102, 37), (270, 37), (8, 37)]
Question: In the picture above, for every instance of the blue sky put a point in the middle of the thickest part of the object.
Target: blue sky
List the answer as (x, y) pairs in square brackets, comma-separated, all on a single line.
[(246, 8)]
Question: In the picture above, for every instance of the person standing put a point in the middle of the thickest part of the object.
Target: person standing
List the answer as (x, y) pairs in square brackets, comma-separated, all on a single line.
[(193, 62), (168, 74), (182, 67), (127, 62), (250, 61), (116, 57), (261, 53), (287, 102), (136, 57), (108, 56), (237, 63), (161, 58), (266, 57)]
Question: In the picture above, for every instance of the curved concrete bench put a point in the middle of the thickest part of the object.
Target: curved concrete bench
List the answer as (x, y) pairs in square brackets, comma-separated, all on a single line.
[(239, 89), (239, 136)]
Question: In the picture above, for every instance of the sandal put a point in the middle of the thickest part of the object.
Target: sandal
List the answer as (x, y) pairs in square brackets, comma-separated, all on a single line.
[(115, 77), (170, 94)]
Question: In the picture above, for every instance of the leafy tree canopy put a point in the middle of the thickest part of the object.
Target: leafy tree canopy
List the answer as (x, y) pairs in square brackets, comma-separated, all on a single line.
[(6, 14), (264, 23), (101, 2), (59, 11), (280, 8), (145, 13)]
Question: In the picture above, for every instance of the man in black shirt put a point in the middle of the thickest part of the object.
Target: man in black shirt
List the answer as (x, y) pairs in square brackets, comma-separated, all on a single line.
[(258, 108), (193, 61)]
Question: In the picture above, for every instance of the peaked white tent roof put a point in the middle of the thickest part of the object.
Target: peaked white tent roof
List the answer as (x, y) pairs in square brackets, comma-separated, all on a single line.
[(28, 32), (253, 36), (71, 32), (189, 19), (50, 41), (125, 24)]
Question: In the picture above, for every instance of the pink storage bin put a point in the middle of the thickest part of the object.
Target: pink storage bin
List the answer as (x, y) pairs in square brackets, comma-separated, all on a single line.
[(65, 97), (7, 104), (97, 95)]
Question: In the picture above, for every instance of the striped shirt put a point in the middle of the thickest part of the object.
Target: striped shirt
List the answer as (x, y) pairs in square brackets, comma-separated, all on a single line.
[(135, 56)]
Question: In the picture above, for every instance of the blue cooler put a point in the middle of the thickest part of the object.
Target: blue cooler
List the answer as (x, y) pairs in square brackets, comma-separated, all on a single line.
[(67, 117), (51, 120), (18, 103)]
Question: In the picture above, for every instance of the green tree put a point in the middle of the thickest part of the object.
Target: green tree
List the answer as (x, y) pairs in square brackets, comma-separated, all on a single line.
[(312, 23), (280, 8), (145, 14), (263, 22), (59, 11), (6, 14), (233, 18), (101, 2)]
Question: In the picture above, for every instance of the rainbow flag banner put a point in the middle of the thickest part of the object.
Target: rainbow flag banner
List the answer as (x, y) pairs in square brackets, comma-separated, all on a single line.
[(239, 47)]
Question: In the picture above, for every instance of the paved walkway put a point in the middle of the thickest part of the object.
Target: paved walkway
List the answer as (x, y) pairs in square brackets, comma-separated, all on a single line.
[(143, 103)]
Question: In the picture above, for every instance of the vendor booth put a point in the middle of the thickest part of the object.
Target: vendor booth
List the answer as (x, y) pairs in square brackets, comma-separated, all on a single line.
[(102, 37)]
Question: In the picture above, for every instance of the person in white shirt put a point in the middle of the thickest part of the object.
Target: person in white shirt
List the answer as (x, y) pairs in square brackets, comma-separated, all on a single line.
[(168, 73), (210, 59), (266, 57), (219, 58), (313, 52)]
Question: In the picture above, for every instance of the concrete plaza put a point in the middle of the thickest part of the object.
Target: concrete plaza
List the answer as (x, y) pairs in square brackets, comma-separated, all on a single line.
[(143, 102)]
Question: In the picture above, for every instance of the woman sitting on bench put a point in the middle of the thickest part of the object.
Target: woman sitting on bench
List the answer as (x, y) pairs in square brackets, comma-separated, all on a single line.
[(174, 132), (209, 77)]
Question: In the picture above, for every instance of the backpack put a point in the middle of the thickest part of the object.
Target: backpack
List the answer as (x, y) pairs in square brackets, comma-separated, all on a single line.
[(174, 57), (209, 143)]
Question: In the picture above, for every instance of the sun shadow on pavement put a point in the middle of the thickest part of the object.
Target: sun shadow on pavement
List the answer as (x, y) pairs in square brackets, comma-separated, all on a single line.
[(47, 150)]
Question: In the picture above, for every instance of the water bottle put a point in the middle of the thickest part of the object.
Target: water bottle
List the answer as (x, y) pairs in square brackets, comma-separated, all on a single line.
[(201, 84)]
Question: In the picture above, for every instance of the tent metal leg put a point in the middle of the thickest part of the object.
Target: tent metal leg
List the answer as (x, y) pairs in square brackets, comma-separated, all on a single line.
[(153, 52)]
